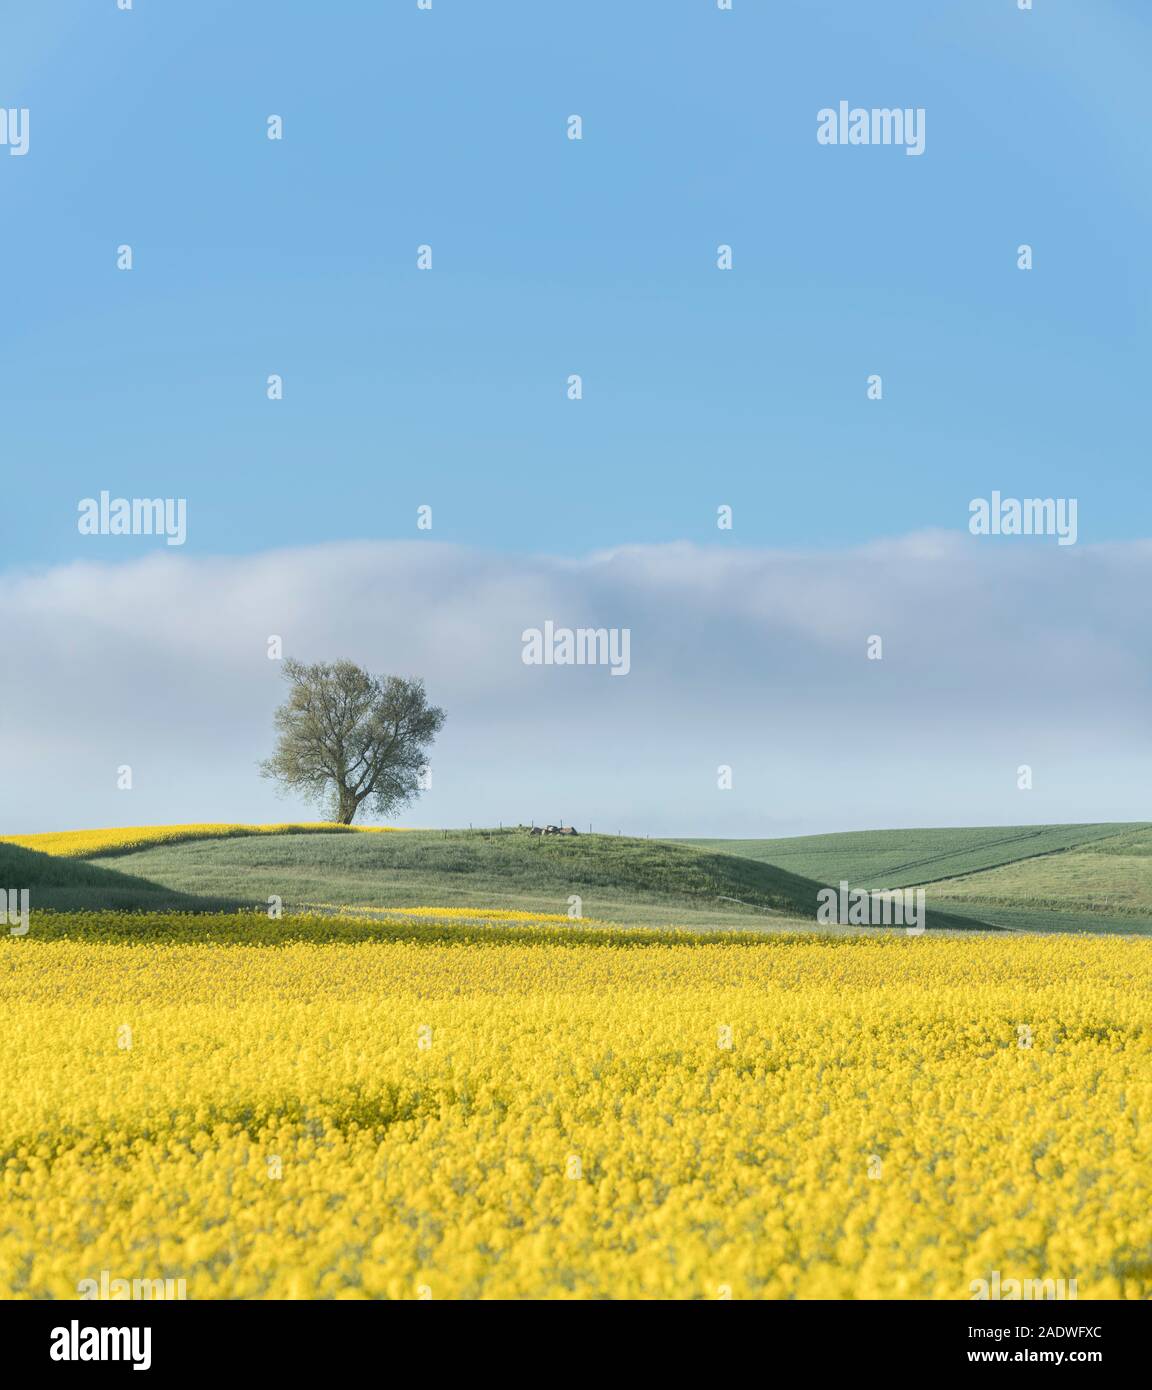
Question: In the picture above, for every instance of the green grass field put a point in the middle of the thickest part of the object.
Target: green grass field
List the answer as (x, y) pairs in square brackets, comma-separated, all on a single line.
[(617, 878), (613, 875), (900, 858), (1094, 878), (1102, 880), (67, 885)]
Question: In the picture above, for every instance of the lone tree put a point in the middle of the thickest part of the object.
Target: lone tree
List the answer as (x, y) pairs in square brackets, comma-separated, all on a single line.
[(346, 737)]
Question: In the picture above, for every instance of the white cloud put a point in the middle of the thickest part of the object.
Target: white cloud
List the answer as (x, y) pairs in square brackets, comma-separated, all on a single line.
[(995, 654)]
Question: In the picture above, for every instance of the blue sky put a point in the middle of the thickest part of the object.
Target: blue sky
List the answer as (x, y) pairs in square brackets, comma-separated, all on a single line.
[(702, 388), (553, 256)]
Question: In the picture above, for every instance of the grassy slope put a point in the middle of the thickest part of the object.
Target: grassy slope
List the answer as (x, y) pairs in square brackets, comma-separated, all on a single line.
[(116, 840), (497, 868), (618, 878), (1095, 877), (72, 885), (899, 858), (1046, 878), (1107, 881)]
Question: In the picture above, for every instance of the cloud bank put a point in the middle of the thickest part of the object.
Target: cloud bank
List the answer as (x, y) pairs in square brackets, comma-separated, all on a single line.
[(995, 654)]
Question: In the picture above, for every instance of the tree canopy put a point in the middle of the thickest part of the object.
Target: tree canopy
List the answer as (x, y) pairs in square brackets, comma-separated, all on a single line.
[(346, 738)]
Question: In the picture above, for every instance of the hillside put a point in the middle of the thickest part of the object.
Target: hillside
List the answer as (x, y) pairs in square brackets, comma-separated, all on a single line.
[(113, 841), (1092, 877), (617, 878), (899, 858), (475, 868), (1105, 882), (1050, 878), (73, 885)]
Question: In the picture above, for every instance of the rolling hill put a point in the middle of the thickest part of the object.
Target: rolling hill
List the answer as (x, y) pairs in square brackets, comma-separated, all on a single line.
[(614, 876), (617, 878), (1091, 877), (70, 885), (899, 858), (1104, 883)]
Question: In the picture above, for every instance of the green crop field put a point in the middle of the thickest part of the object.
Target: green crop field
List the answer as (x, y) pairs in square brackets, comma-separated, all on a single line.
[(617, 878), (1093, 877), (476, 868), (1107, 878), (1066, 878), (73, 884), (900, 858)]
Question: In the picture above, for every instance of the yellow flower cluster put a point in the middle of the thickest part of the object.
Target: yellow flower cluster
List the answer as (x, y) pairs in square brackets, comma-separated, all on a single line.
[(460, 925), (794, 1117), (459, 914), (88, 844)]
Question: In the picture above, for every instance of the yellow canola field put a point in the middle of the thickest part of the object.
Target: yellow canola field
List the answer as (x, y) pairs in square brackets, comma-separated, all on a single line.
[(459, 914), (87, 844), (813, 1117)]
